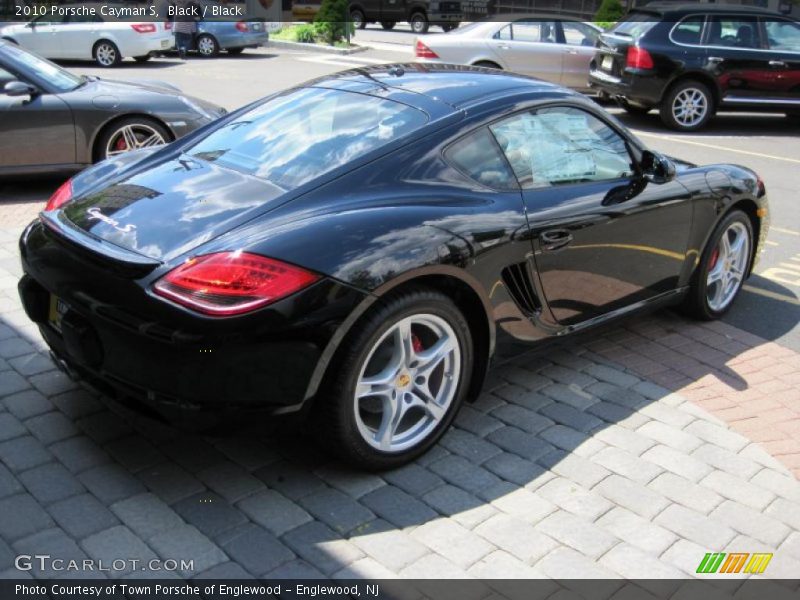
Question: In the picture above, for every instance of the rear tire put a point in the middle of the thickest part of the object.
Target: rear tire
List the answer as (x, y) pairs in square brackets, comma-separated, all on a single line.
[(487, 64), (235, 51), (142, 59), (419, 23), (358, 18), (388, 25), (688, 106), (106, 54), (449, 27), (710, 297), (385, 353), (207, 46)]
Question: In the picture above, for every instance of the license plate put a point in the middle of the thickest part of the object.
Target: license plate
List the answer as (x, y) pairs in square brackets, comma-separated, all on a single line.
[(57, 310), (608, 63), (165, 43)]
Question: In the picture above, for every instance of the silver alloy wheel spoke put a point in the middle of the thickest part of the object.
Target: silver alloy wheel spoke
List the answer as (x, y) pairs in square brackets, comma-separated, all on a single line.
[(689, 107), (725, 278), (409, 390), (133, 137)]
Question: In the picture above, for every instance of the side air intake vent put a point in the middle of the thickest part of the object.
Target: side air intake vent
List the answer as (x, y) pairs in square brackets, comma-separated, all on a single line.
[(517, 280)]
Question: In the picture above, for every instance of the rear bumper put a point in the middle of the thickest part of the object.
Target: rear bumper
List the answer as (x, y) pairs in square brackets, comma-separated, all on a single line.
[(642, 88), (243, 40), (167, 358)]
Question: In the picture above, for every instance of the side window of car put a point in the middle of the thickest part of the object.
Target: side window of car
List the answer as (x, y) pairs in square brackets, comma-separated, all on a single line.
[(689, 30), (535, 31), (734, 31), (504, 33), (783, 35), (579, 34), (562, 145), (478, 156)]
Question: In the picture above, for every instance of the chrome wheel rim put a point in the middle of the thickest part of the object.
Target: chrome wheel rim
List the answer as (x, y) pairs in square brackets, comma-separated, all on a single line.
[(728, 264), (417, 25), (356, 19), (106, 54), (205, 46), (132, 137), (407, 383), (690, 107)]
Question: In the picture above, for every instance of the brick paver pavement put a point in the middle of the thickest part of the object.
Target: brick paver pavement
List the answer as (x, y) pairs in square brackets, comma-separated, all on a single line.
[(630, 452)]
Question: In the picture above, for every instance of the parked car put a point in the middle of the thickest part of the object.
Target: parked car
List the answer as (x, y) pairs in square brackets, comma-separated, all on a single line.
[(357, 247), (420, 14), (554, 49), (56, 121), (90, 37), (689, 61), (233, 36)]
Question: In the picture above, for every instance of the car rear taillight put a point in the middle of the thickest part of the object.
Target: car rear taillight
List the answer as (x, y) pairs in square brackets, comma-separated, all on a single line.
[(61, 196), (168, 25), (242, 26), (232, 283), (422, 51), (144, 27), (638, 58)]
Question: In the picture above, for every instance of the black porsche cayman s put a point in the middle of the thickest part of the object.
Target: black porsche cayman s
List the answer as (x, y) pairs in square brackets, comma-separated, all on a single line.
[(356, 247)]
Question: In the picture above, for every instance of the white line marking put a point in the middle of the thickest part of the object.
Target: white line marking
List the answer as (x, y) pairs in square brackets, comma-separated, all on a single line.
[(715, 147)]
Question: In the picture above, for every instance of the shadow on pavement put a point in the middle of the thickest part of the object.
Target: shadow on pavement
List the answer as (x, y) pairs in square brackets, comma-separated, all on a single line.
[(723, 124)]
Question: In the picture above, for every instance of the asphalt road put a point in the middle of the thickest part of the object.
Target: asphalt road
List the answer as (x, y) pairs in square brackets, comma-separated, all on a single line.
[(769, 306)]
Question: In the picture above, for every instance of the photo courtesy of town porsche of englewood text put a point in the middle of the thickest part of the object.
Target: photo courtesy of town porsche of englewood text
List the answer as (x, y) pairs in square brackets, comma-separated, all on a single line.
[(400, 299)]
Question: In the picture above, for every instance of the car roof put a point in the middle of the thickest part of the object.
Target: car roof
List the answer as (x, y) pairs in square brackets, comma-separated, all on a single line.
[(664, 8), (455, 86)]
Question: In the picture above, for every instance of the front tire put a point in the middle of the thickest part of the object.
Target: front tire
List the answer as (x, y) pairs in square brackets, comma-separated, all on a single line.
[(129, 134), (723, 268), (487, 64), (688, 106), (398, 381), (388, 25), (142, 59), (419, 23), (358, 18), (106, 54), (207, 46), (235, 51)]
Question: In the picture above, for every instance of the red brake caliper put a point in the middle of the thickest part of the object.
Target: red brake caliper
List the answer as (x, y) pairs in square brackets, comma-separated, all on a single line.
[(121, 145), (714, 258), (416, 343)]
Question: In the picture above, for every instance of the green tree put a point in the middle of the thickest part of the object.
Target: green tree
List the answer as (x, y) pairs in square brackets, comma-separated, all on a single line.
[(331, 21), (610, 12)]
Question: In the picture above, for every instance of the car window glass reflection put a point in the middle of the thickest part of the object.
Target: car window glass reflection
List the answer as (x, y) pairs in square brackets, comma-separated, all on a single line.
[(783, 35), (478, 156), (689, 30), (303, 134), (737, 32), (59, 78), (561, 145)]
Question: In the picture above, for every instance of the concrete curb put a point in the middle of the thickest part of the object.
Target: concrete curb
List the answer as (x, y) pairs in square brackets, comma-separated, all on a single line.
[(283, 44)]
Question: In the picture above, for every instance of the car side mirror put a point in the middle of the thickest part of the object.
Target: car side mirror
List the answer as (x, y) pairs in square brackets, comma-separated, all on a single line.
[(19, 88), (656, 167)]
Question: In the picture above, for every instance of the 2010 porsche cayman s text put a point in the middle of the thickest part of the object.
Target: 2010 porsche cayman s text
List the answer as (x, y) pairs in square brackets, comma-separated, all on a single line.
[(358, 246)]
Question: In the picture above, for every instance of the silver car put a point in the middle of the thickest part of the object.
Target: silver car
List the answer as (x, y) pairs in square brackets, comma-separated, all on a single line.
[(556, 49)]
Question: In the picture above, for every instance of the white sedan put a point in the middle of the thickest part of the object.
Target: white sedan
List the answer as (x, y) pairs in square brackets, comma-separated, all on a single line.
[(90, 38), (554, 49)]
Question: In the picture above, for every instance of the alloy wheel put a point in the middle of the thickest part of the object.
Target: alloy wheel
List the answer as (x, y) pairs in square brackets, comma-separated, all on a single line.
[(727, 266), (132, 137), (690, 107), (206, 46), (106, 54), (407, 383)]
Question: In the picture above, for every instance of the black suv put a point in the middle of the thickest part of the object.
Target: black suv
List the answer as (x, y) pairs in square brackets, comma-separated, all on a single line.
[(692, 60), (420, 14)]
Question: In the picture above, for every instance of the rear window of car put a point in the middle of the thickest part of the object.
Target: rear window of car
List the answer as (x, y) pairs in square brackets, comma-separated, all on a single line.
[(480, 158), (783, 35), (636, 24), (298, 136)]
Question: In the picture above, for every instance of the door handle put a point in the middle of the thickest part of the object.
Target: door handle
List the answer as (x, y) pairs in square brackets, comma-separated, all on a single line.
[(555, 238), (570, 51), (715, 60), (503, 47), (777, 63)]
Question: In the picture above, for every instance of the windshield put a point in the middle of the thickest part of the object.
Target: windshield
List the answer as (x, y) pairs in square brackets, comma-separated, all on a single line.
[(305, 133), (39, 69), (635, 24)]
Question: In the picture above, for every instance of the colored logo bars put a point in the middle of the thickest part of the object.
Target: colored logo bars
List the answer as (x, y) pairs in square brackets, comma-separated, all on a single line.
[(734, 562)]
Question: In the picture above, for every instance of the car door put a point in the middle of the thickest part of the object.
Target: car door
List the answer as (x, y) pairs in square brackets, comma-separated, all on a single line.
[(76, 37), (783, 40), (603, 237), (34, 131), (393, 10), (41, 36), (530, 47), (579, 40), (738, 58)]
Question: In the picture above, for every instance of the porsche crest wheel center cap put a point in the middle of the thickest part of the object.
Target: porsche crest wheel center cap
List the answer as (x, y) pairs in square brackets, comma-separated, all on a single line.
[(403, 380)]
